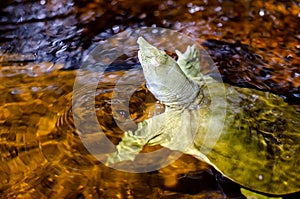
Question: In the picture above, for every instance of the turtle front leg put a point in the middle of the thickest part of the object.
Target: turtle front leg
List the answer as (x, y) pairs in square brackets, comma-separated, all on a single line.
[(133, 142), (189, 63)]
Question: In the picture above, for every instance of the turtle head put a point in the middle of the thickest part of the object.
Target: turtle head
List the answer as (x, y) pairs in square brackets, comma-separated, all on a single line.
[(150, 55), (164, 78)]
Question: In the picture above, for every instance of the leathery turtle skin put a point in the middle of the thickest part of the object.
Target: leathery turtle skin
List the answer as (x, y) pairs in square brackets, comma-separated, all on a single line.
[(258, 146)]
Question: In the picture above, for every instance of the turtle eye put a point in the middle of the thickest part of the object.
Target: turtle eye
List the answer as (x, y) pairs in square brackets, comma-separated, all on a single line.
[(161, 59), (154, 62)]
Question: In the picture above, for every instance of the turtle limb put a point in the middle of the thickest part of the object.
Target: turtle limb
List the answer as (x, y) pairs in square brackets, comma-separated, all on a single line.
[(133, 141), (189, 63)]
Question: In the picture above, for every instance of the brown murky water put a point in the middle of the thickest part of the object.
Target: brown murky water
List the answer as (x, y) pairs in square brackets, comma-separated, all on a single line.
[(253, 43)]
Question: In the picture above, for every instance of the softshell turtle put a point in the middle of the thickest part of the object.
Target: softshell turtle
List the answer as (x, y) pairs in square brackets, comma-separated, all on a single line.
[(258, 146)]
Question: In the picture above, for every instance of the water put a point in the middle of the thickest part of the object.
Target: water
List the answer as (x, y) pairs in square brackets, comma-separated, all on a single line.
[(42, 156), (254, 44)]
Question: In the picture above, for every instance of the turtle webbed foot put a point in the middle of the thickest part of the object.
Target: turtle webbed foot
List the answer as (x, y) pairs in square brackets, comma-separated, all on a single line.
[(127, 149)]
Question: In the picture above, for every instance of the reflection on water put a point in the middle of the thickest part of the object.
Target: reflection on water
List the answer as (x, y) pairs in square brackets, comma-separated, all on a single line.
[(263, 49), (41, 155)]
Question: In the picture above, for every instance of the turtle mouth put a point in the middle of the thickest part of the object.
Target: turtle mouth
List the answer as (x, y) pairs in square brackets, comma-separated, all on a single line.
[(146, 47)]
